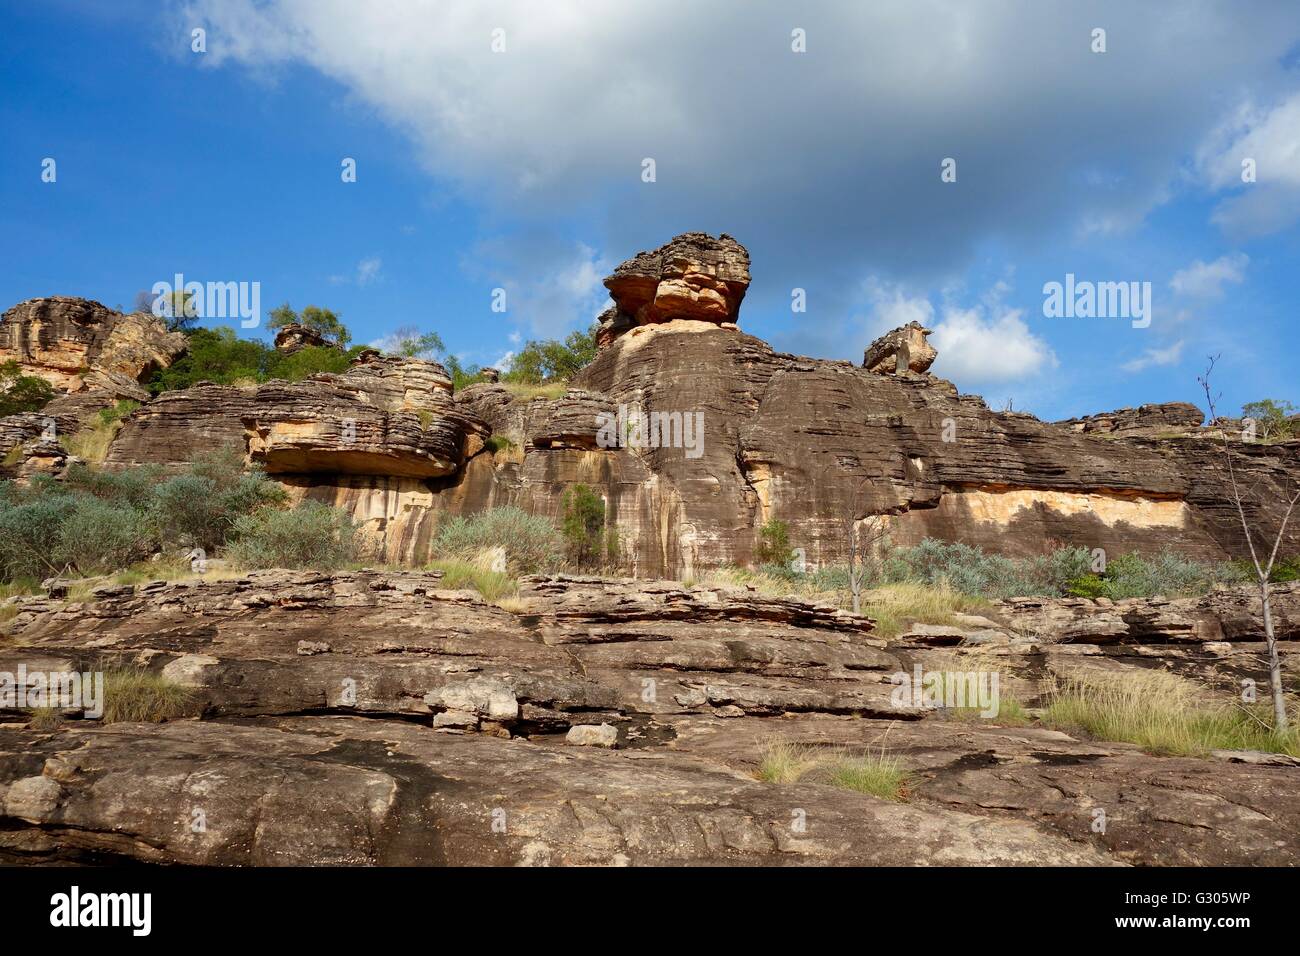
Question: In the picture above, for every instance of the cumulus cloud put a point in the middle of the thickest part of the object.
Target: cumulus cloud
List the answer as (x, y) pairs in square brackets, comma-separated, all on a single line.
[(793, 151), (1156, 356), (977, 348), (985, 343), (1205, 280), (1269, 141)]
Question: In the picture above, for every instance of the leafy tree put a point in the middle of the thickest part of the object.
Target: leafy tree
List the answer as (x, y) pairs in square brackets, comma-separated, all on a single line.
[(324, 321), (410, 342), (220, 355), (22, 393), (462, 375), (1272, 418), (552, 359)]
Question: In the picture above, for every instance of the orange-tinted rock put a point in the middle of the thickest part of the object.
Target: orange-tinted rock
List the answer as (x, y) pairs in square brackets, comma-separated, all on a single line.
[(80, 345), (694, 276)]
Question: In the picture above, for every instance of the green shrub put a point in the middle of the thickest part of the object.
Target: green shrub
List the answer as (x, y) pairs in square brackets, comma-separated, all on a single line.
[(29, 536), (96, 537), (22, 393), (131, 487), (219, 355), (584, 527), (531, 542), (200, 508), (774, 544), (312, 536)]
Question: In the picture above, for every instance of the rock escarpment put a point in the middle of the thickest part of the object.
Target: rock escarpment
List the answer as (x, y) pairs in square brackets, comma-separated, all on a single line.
[(737, 435), (379, 718)]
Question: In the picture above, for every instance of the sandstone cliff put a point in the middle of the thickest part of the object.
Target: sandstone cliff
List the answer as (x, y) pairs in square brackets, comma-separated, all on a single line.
[(770, 436)]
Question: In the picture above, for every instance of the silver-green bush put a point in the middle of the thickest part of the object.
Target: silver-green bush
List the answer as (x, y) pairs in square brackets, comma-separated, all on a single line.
[(311, 536), (531, 542)]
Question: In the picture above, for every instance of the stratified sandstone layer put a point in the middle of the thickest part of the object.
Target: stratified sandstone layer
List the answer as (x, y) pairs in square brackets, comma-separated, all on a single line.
[(80, 345), (378, 718), (810, 441), (693, 276), (774, 436)]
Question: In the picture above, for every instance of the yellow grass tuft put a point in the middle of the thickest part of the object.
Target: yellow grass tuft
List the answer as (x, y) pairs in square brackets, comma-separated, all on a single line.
[(1162, 713)]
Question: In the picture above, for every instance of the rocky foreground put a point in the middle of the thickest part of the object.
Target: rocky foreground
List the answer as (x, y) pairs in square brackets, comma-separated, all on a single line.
[(377, 718)]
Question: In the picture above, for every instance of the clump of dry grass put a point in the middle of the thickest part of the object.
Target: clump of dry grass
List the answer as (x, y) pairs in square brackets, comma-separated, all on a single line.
[(458, 573), (893, 607), (135, 695), (45, 719), (876, 772), (545, 390), (1160, 712), (786, 762)]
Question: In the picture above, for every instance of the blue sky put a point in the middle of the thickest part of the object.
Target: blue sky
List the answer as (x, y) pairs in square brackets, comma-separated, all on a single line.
[(523, 169)]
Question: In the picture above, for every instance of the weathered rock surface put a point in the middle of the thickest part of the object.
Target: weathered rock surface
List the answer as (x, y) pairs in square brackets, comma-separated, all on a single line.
[(782, 437), (290, 338), (385, 417), (1147, 421), (693, 276), (80, 345), (377, 718), (902, 350), (807, 441)]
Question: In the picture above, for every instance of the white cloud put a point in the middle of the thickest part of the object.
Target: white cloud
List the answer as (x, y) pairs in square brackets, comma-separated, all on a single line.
[(1153, 357), (1205, 280), (1271, 138), (368, 270), (985, 343), (892, 307), (551, 286), (560, 121), (997, 348)]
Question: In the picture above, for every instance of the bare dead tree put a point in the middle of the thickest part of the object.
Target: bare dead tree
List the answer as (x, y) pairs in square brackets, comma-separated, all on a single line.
[(1263, 567), (862, 538)]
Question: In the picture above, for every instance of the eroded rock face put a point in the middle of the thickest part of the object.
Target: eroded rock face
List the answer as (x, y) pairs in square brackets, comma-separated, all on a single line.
[(379, 718), (693, 276), (806, 441), (291, 338), (1147, 421), (900, 350), (383, 417), (80, 345)]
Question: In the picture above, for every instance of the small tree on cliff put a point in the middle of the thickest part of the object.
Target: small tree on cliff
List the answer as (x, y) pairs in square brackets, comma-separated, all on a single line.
[(861, 538), (1262, 561), (324, 321)]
